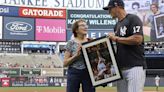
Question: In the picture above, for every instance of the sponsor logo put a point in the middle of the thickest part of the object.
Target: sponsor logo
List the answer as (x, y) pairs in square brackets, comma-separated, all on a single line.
[(18, 26), (4, 10), (29, 84), (123, 31), (17, 84), (49, 29), (8, 10), (41, 12), (5, 82)]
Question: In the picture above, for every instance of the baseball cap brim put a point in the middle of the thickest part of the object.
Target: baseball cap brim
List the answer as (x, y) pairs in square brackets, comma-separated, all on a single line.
[(107, 7)]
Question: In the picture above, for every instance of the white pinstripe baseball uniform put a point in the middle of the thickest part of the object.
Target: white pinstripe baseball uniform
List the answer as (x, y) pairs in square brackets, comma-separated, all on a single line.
[(130, 47), (130, 58)]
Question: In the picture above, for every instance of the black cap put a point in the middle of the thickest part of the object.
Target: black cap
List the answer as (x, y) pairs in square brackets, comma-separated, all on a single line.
[(114, 3)]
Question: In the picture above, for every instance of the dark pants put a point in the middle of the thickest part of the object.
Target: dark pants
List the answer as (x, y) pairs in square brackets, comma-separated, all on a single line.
[(154, 38), (153, 35), (75, 77)]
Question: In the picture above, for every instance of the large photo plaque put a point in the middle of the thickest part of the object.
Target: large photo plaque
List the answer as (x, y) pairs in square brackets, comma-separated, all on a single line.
[(100, 60)]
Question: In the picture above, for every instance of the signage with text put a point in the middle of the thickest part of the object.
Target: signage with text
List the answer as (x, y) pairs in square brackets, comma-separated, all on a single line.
[(50, 30), (10, 46), (30, 72), (18, 81), (18, 28), (8, 10), (52, 72), (42, 12), (96, 19), (5, 82), (91, 33), (10, 72), (57, 81), (69, 4)]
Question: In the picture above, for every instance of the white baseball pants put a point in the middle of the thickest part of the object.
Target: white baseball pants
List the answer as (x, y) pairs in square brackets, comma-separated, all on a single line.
[(133, 80)]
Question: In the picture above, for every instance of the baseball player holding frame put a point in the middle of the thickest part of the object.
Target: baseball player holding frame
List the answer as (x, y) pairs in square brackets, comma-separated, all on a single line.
[(130, 47)]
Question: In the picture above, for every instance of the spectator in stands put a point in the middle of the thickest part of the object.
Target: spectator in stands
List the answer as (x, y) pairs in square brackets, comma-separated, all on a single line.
[(73, 58)]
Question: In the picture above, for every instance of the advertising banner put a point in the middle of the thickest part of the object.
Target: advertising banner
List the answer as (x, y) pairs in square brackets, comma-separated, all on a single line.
[(10, 72), (91, 33), (50, 30), (10, 46), (96, 19), (42, 12), (57, 81), (36, 81), (5, 82), (52, 72), (1, 24), (8, 10), (41, 81), (33, 81), (30, 72), (97, 33), (18, 81), (18, 28)]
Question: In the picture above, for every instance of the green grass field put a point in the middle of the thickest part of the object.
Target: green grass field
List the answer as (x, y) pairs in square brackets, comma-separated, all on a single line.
[(62, 89), (146, 38)]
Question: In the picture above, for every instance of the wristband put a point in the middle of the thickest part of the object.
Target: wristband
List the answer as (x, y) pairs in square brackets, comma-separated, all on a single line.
[(117, 39)]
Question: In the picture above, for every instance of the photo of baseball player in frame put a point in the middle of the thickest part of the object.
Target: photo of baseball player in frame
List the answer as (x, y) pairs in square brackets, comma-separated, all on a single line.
[(100, 61), (159, 25)]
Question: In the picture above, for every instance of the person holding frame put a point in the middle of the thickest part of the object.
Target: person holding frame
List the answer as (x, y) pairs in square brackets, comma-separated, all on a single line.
[(150, 20), (74, 60), (100, 61), (130, 47)]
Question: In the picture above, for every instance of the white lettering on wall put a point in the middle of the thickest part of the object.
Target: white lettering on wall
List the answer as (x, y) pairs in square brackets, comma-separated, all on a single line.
[(69, 4)]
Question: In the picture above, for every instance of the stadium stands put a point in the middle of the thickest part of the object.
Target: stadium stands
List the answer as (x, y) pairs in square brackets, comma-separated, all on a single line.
[(30, 60)]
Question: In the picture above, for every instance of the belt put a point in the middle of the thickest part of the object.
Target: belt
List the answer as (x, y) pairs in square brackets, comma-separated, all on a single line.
[(126, 68)]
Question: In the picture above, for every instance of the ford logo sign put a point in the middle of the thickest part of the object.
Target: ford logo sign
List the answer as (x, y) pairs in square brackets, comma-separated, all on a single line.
[(18, 26)]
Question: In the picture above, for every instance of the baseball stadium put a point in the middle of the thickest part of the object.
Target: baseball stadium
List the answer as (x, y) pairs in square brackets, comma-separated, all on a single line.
[(36, 35)]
